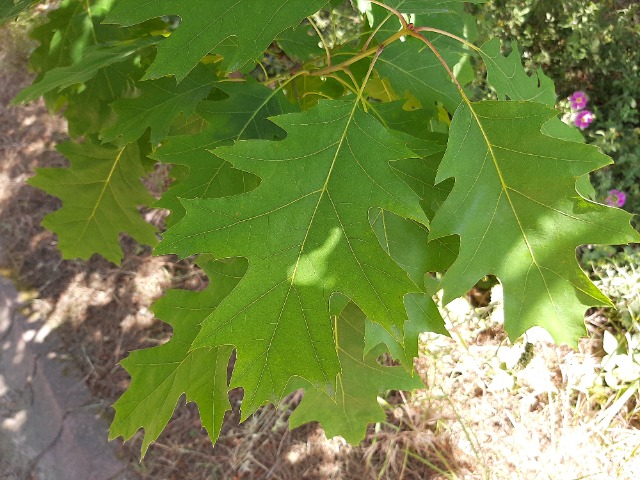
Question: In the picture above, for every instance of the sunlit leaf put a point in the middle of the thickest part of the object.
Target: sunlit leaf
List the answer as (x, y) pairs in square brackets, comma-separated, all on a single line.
[(519, 217)]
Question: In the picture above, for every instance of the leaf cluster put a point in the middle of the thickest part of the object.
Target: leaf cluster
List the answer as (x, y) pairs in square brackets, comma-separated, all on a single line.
[(327, 202)]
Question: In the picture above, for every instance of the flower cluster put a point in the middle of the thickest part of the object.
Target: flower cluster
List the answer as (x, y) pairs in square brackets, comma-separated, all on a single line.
[(583, 117)]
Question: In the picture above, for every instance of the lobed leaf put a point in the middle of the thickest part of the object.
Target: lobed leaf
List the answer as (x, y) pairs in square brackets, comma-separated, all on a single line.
[(507, 76), (70, 28), (161, 375), (519, 217), (96, 57), (410, 67), (157, 106), (361, 379), (306, 233), (206, 25), (242, 115), (100, 194)]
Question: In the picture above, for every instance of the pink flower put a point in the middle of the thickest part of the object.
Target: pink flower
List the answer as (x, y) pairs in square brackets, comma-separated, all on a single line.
[(616, 198), (583, 119), (578, 100)]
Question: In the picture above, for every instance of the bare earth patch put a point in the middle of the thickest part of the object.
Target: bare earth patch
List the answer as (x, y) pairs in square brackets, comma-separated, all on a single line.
[(484, 412)]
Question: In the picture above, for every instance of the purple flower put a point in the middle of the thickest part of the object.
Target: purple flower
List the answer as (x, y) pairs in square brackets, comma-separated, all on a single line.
[(616, 198), (578, 100), (583, 119)]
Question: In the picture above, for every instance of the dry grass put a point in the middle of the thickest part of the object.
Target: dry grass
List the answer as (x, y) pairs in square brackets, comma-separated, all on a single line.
[(539, 421), (480, 416)]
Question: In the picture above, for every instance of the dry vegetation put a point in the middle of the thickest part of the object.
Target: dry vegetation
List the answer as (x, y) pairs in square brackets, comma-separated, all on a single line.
[(483, 414)]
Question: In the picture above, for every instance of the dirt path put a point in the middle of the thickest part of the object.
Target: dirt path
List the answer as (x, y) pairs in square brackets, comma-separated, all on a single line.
[(50, 426)]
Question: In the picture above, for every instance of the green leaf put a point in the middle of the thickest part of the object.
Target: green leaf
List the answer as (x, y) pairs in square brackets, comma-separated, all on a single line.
[(306, 233), (519, 217), (161, 375), (198, 173), (100, 194), (251, 24), (70, 29), (510, 80), (300, 43), (407, 243), (403, 240), (507, 76), (159, 103), (96, 57), (411, 68), (87, 107), (424, 316), (361, 379), (243, 115), (421, 175), (413, 122), (307, 91)]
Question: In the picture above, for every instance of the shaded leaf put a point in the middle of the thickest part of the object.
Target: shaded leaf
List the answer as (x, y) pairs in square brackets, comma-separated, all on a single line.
[(306, 91), (410, 67), (9, 9), (360, 382), (300, 43), (96, 57), (407, 243), (413, 122), (206, 25), (243, 115), (87, 107), (159, 103), (100, 194), (424, 316), (161, 375), (70, 29)]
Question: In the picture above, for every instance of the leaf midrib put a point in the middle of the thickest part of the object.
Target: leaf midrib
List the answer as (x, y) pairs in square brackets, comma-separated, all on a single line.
[(107, 182), (506, 189), (343, 136)]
